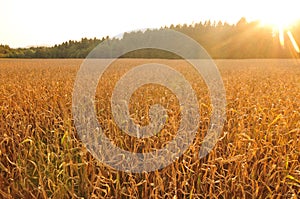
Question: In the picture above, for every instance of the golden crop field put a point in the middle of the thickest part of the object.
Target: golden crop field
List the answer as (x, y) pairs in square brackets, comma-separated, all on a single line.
[(257, 155)]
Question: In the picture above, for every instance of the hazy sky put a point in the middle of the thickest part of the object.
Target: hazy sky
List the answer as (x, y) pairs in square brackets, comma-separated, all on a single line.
[(47, 22)]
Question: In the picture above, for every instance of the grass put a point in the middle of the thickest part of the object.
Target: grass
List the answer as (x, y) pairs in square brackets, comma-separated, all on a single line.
[(257, 155)]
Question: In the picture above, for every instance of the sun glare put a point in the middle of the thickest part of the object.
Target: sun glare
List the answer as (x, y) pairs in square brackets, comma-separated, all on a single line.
[(281, 36), (294, 43), (281, 16), (282, 31)]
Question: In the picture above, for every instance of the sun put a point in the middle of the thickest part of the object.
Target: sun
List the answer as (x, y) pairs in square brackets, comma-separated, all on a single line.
[(278, 21), (281, 15)]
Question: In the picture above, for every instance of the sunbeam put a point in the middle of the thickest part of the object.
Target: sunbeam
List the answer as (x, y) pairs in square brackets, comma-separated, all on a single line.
[(281, 36), (295, 45)]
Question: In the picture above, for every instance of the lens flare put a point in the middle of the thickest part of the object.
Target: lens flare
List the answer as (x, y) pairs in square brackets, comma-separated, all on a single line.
[(281, 36), (295, 45)]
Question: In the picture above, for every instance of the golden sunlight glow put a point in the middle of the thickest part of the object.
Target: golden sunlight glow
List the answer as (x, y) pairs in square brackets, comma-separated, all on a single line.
[(295, 45), (280, 15), (113, 17)]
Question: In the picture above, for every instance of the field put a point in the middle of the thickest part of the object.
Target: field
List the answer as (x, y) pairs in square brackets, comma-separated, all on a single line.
[(257, 155)]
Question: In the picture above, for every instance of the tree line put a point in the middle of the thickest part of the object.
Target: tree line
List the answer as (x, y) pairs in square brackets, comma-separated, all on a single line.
[(221, 40)]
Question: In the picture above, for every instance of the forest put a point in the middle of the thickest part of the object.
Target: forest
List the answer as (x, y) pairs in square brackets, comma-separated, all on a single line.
[(221, 40)]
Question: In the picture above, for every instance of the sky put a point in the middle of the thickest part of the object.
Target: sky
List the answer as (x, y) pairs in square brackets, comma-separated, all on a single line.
[(25, 23)]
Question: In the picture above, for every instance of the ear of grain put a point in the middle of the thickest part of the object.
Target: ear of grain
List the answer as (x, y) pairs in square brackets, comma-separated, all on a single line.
[(256, 156)]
